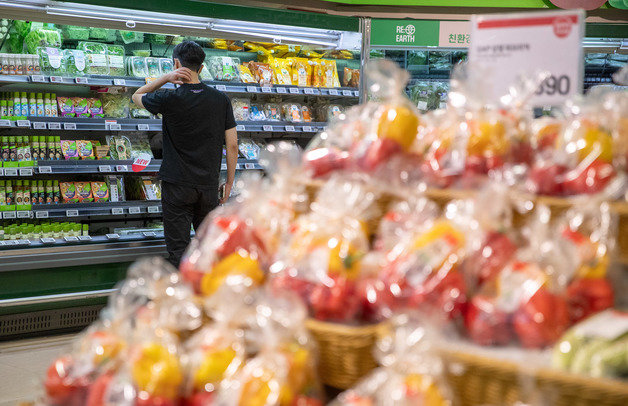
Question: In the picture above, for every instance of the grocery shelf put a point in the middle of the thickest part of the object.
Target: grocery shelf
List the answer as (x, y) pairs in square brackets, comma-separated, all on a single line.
[(83, 124), (307, 128), (77, 210), (228, 87)]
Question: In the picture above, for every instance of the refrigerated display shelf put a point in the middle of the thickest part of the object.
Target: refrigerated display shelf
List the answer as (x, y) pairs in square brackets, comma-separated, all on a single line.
[(83, 124), (78, 240), (281, 127), (78, 210), (228, 87)]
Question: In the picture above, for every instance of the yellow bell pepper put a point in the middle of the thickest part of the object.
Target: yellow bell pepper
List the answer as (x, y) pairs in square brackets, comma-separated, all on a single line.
[(157, 371), (343, 259), (105, 346), (597, 142), (399, 124), (488, 138), (237, 263), (213, 367), (256, 390), (299, 359), (418, 386), (442, 229)]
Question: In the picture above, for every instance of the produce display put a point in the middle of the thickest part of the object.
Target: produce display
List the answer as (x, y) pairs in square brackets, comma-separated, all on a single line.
[(42, 229), (244, 110)]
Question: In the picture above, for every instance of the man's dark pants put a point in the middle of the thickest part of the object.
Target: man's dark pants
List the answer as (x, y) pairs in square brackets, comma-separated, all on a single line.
[(184, 206)]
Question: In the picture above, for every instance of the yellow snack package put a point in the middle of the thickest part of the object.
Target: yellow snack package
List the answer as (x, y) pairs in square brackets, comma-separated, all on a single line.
[(310, 54), (219, 43), (245, 74), (318, 67), (330, 74), (281, 70), (284, 51), (301, 72)]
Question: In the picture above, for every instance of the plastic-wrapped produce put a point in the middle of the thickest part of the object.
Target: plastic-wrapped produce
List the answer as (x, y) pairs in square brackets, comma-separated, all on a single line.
[(152, 67), (272, 112), (75, 32), (306, 113), (262, 72), (115, 58), (74, 61), (96, 55), (166, 65), (291, 112), (137, 66), (256, 112), (115, 105), (102, 34), (245, 74), (241, 109), (248, 149), (129, 37), (205, 73), (137, 112), (51, 60), (223, 68), (41, 38)]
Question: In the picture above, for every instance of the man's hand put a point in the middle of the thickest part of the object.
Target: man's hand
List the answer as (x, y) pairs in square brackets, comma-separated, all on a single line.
[(227, 189), (179, 76)]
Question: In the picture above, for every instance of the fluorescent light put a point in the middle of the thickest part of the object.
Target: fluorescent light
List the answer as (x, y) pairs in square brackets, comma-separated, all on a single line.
[(274, 30), (276, 37)]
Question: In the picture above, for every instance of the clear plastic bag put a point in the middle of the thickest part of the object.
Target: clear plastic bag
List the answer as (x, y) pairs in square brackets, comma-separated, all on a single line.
[(137, 66), (96, 55), (74, 62), (223, 68), (241, 109), (115, 58)]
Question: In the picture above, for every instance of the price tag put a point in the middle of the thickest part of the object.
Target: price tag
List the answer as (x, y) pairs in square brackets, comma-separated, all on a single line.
[(240, 128), (223, 167), (281, 90), (23, 123), (308, 129), (290, 128), (38, 78), (122, 168), (134, 210), (82, 81), (119, 82), (54, 126), (308, 90), (1, 171), (56, 79), (69, 126), (506, 47), (71, 239), (153, 209), (26, 171), (5, 123), (333, 92), (23, 214), (10, 171), (48, 240), (267, 127), (266, 89), (239, 166), (294, 90), (221, 88), (84, 238), (113, 236), (116, 211), (23, 242), (115, 127), (41, 214), (9, 215), (71, 213), (104, 168), (347, 93), (45, 169), (150, 234), (39, 126), (142, 127), (251, 89), (249, 166)]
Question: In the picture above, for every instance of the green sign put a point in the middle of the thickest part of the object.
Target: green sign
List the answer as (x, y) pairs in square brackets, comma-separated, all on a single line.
[(453, 3), (404, 33)]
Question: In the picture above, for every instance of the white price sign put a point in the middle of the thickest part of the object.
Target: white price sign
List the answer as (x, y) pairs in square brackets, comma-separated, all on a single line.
[(10, 171), (281, 90), (223, 167), (122, 168), (266, 89), (134, 210), (56, 79), (104, 168), (48, 240), (71, 239), (116, 211), (9, 215), (333, 92), (84, 238), (251, 89), (23, 214), (249, 166), (5, 123), (54, 126), (142, 127), (506, 47), (23, 123), (82, 81), (38, 78), (267, 127), (150, 234), (221, 88), (71, 213), (239, 128), (119, 82), (115, 127), (347, 93), (39, 126), (294, 90), (69, 126), (290, 128), (153, 209), (308, 129), (112, 236), (26, 172), (41, 214)]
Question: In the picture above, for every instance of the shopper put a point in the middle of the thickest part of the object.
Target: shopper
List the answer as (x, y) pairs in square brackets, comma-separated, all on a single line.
[(197, 121)]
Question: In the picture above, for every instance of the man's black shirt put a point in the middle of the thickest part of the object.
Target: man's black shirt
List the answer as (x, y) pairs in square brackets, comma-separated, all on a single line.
[(195, 117)]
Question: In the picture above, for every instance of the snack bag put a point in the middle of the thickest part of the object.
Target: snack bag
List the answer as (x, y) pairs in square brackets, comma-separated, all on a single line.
[(257, 113), (301, 72), (95, 108), (70, 149), (241, 109), (84, 192), (245, 74), (281, 68), (85, 149), (318, 72), (262, 72), (291, 112), (272, 112), (69, 194), (66, 106), (100, 191), (81, 107), (351, 77), (306, 113), (330, 74)]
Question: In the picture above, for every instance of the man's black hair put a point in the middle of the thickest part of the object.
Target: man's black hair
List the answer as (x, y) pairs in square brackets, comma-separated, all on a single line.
[(190, 54)]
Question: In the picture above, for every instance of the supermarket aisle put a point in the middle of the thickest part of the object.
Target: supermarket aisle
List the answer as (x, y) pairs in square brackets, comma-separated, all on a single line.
[(23, 364)]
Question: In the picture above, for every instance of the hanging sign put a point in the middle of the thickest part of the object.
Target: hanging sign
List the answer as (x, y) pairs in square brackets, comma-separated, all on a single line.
[(141, 162), (508, 46)]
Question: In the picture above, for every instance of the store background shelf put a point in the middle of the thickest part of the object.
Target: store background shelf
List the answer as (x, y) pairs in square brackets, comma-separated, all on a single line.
[(281, 126), (84, 124), (78, 210)]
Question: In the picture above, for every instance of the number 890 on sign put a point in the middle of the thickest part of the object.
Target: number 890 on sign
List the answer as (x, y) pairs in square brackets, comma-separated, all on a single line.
[(555, 85)]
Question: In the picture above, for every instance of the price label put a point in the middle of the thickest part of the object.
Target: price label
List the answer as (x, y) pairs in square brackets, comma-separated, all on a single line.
[(56, 79), (249, 166), (290, 128), (308, 129), (333, 92), (82, 81), (506, 47), (9, 215), (23, 242), (104, 168), (122, 168), (347, 93), (134, 210), (23, 214), (1, 171), (294, 90), (48, 240), (116, 211), (71, 239), (71, 213), (113, 236), (239, 166), (153, 209), (84, 238), (10, 171), (115, 127), (251, 89), (39, 126), (54, 126), (69, 126), (26, 171), (119, 82), (38, 78), (41, 214), (221, 88), (281, 90), (308, 90), (23, 123), (266, 89), (149, 234), (356, 93), (142, 127), (5, 123), (267, 127), (223, 167), (240, 128)]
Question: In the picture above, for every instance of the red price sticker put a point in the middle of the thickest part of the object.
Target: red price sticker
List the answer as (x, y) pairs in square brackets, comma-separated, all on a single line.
[(141, 162)]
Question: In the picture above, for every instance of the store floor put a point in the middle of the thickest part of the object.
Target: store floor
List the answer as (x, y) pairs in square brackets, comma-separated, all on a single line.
[(23, 365)]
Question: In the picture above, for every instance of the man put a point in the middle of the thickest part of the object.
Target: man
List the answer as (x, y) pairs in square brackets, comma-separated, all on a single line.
[(197, 121)]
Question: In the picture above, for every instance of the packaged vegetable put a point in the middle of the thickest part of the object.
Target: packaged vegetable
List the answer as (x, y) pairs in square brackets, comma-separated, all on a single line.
[(96, 56), (152, 67), (74, 62), (137, 66), (50, 60), (69, 193), (43, 38), (81, 107), (205, 73), (291, 112), (241, 109), (129, 37), (272, 112), (85, 149), (102, 34), (75, 32), (119, 147), (351, 77), (245, 74), (66, 106), (166, 65), (137, 112), (248, 149), (223, 68), (256, 113), (115, 105), (84, 192), (70, 149), (115, 58)]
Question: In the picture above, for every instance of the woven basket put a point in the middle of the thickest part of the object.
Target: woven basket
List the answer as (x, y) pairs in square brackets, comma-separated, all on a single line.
[(478, 380), (345, 352)]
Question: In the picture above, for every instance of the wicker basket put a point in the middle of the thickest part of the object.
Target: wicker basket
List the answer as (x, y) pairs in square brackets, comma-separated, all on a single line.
[(478, 380), (345, 352)]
